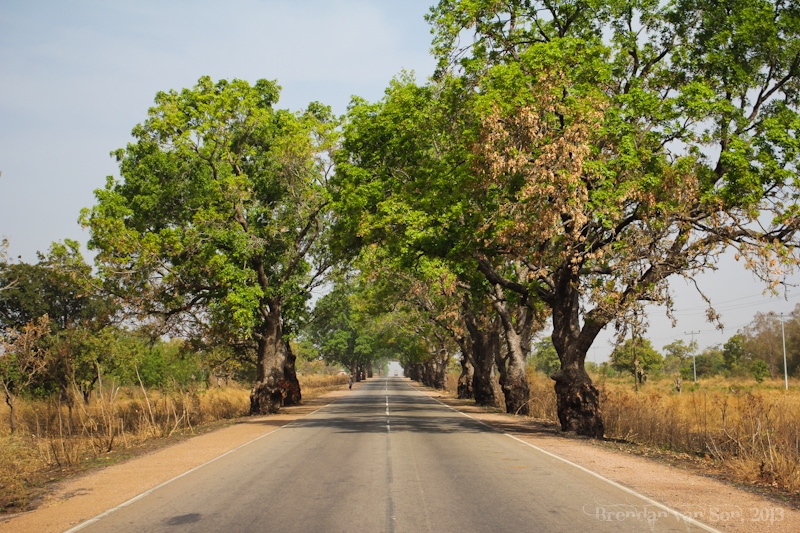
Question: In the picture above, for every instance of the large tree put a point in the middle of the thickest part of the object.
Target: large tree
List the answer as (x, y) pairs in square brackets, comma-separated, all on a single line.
[(213, 227), (404, 183), (628, 142), (62, 287), (638, 358)]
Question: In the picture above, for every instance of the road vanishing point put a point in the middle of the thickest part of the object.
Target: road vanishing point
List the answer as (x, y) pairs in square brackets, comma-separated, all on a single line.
[(388, 458)]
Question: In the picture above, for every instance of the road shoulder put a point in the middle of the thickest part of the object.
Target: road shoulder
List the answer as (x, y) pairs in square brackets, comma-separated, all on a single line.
[(717, 503), (75, 500)]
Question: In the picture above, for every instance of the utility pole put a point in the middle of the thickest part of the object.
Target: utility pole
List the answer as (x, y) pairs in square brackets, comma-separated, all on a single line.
[(694, 358), (785, 368)]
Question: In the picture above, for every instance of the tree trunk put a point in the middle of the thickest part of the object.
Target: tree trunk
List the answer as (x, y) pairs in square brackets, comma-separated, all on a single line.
[(513, 378), (441, 362), (290, 385), (578, 400), (514, 384), (465, 391), (267, 394), (485, 340), (12, 413), (413, 372), (483, 381)]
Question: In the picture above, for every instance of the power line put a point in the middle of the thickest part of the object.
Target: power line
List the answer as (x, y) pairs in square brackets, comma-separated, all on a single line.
[(722, 305)]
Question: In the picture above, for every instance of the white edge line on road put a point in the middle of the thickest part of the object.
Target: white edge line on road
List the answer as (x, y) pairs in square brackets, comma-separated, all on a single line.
[(179, 476), (677, 514)]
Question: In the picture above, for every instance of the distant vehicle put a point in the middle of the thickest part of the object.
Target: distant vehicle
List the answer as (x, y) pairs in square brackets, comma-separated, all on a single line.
[(395, 369)]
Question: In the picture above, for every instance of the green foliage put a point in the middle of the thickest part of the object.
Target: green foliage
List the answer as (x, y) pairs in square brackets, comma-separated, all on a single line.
[(399, 173), (333, 330), (711, 362), (637, 358), (626, 142), (62, 288), (545, 357), (358, 337), (759, 370), (60, 285), (678, 358), (218, 194), (213, 234), (166, 365), (734, 354)]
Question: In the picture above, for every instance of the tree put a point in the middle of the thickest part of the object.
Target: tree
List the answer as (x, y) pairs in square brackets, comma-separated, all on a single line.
[(333, 329), (545, 356), (214, 229), (734, 354), (62, 287), (711, 362), (22, 359), (629, 142), (638, 358), (759, 369), (59, 285), (402, 184), (678, 357), (763, 340)]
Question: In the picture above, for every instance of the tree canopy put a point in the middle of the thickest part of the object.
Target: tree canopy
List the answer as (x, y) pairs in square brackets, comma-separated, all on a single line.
[(566, 159), (214, 225), (597, 148)]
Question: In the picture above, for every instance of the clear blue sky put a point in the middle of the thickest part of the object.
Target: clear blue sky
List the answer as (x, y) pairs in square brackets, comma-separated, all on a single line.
[(76, 76)]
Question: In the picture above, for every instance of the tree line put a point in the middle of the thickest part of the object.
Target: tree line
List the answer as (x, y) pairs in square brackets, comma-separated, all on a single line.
[(755, 351), (565, 161)]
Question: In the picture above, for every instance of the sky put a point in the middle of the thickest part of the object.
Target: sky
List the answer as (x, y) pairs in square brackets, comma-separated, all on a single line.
[(77, 76)]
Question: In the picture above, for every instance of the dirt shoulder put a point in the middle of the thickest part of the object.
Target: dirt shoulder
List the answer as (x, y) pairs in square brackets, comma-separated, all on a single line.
[(716, 503), (680, 486)]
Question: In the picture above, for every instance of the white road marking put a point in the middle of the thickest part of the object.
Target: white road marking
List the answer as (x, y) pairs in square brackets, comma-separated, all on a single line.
[(676, 514), (148, 492)]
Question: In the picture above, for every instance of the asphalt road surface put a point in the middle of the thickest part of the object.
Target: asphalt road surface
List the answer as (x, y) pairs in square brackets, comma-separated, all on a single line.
[(387, 458)]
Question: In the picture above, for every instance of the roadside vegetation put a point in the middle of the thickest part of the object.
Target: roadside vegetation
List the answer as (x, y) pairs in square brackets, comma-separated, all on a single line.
[(53, 440), (738, 429), (738, 419), (559, 168)]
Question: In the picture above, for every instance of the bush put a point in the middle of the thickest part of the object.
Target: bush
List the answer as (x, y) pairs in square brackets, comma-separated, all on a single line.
[(759, 370)]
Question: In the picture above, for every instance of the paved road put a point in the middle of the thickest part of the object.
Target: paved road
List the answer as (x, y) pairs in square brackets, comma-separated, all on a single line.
[(388, 458)]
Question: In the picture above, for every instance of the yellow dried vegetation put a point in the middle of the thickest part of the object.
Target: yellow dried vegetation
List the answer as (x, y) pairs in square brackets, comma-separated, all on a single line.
[(744, 431), (53, 439), (748, 432)]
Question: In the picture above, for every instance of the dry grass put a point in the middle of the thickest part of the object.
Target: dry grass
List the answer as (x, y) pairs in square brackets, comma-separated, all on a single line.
[(314, 385), (750, 431), (543, 398), (20, 460), (746, 431), (53, 438)]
